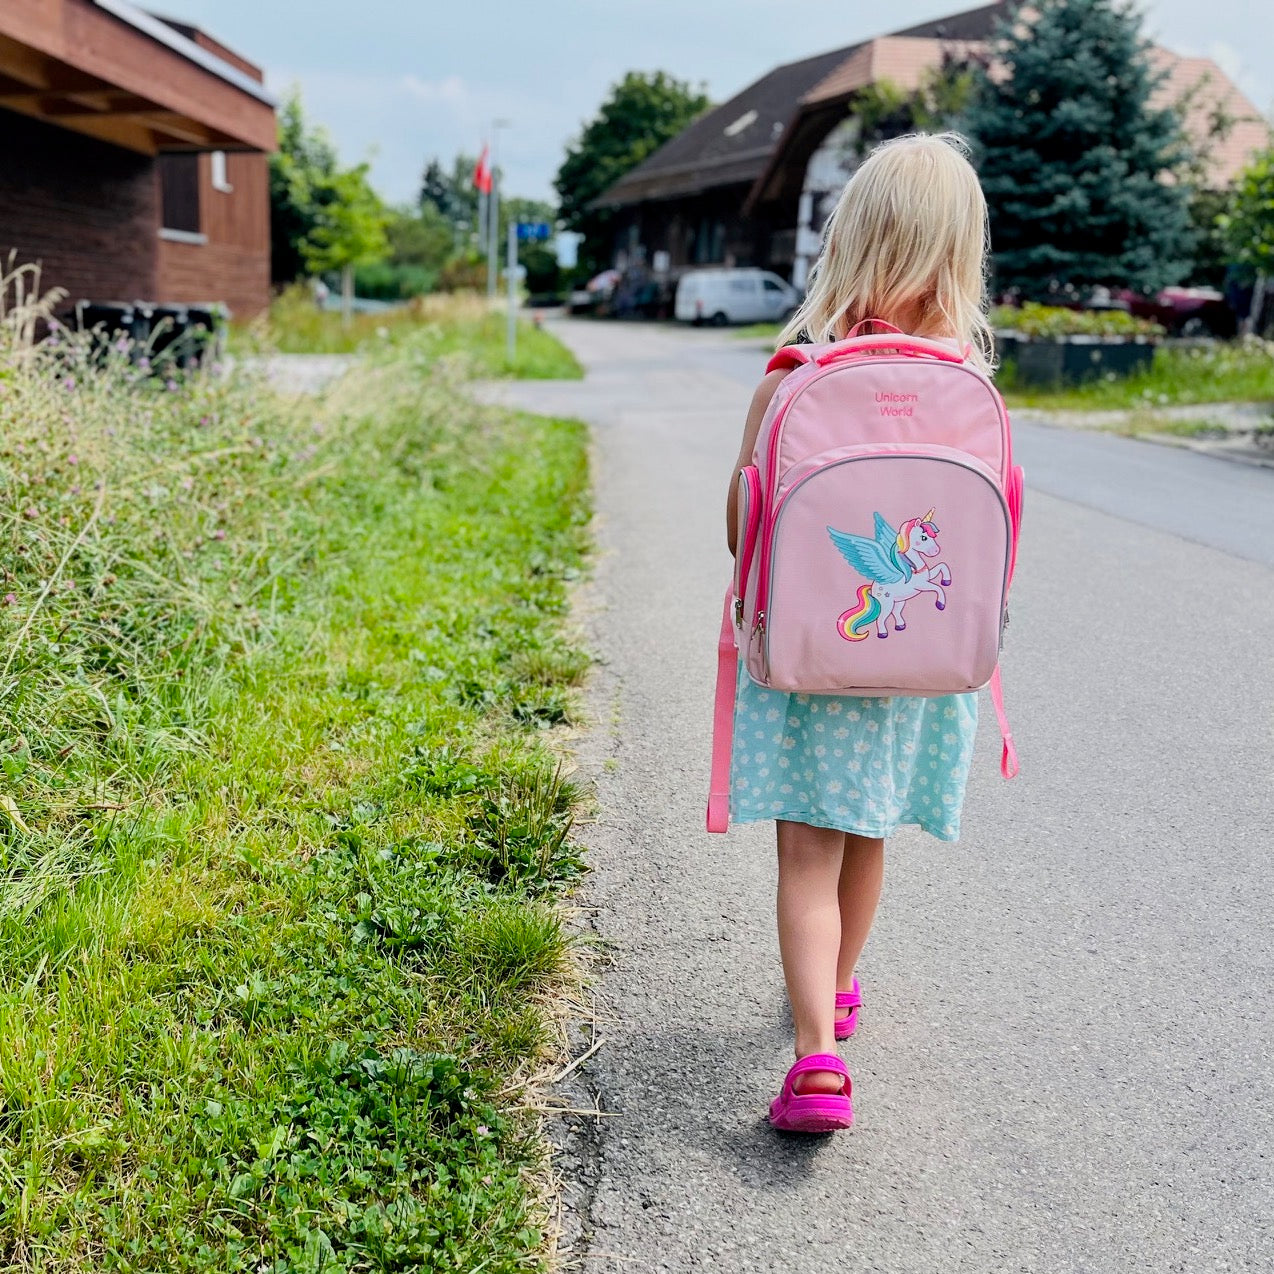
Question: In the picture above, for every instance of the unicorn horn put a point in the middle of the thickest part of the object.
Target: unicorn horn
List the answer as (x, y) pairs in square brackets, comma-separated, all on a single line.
[(928, 517)]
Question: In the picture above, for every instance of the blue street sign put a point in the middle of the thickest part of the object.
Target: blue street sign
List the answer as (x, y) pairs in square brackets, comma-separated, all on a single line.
[(533, 231)]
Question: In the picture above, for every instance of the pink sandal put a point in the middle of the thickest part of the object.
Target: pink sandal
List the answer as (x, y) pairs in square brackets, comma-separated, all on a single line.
[(791, 1111), (851, 1000)]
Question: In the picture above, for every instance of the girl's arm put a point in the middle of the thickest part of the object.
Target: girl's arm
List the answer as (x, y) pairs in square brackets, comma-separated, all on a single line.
[(756, 413)]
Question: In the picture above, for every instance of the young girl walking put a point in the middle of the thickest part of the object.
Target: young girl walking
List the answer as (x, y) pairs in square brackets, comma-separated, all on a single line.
[(905, 246)]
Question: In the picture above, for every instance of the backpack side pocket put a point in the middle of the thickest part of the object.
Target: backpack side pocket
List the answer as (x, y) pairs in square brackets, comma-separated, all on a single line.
[(749, 527)]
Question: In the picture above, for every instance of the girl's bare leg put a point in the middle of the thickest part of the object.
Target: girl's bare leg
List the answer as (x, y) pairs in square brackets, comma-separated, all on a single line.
[(862, 873), (810, 868)]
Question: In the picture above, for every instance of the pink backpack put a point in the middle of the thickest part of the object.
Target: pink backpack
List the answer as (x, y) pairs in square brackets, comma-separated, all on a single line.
[(878, 529)]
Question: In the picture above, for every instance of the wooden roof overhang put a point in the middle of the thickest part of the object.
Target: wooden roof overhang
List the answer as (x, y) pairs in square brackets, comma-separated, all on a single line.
[(105, 68)]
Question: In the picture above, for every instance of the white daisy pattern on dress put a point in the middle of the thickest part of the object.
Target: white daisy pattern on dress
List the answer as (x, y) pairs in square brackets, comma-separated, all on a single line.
[(899, 760)]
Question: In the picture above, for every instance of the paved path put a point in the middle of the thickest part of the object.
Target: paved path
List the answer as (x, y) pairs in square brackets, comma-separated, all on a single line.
[(302, 373), (1064, 1063)]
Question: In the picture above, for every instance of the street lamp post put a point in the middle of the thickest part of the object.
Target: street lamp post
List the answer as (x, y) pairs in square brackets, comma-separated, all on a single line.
[(493, 208)]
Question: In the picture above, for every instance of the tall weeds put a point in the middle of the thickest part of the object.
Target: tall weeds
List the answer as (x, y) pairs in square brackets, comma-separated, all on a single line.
[(275, 828)]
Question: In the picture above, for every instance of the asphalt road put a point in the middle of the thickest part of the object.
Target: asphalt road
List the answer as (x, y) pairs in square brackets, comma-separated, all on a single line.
[(1064, 1059)]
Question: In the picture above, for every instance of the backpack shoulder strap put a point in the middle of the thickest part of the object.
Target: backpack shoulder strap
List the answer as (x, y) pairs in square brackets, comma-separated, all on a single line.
[(723, 723), (1008, 755), (791, 356)]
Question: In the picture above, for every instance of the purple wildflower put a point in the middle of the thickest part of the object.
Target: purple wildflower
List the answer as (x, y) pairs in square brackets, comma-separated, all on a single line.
[(219, 534), (69, 383), (11, 599), (72, 459)]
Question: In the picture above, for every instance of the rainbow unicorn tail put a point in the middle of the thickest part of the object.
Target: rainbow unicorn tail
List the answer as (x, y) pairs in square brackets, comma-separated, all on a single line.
[(853, 624)]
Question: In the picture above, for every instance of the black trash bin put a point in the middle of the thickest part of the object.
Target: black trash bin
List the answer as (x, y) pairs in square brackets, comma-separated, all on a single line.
[(205, 330), (109, 320), (184, 335), (167, 336)]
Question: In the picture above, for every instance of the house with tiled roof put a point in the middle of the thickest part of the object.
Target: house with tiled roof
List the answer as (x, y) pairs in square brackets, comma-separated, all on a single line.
[(752, 181)]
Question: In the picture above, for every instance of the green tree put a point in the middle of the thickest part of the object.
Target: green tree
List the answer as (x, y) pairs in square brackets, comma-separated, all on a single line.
[(884, 110), (422, 238), (1207, 102), (642, 112), (1077, 165), (1248, 227), (420, 245), (322, 216), (349, 229), (451, 194), (303, 164)]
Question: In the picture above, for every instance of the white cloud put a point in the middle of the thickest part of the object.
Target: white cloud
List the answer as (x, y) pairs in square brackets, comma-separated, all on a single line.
[(450, 90)]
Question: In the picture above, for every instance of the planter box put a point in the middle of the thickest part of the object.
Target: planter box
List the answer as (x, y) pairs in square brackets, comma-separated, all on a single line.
[(1073, 359)]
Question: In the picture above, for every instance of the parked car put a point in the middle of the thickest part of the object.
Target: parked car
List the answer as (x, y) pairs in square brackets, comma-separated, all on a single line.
[(1185, 311), (595, 295), (743, 295)]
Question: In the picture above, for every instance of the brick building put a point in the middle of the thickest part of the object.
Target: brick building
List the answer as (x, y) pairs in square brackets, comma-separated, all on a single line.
[(134, 156)]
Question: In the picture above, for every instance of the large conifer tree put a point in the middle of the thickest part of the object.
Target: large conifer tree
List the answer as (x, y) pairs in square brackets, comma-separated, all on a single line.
[(1076, 163)]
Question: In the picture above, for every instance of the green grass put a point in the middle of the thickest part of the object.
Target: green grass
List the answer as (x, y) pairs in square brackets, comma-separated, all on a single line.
[(1148, 422), (279, 829), (1203, 374), (759, 331), (461, 326)]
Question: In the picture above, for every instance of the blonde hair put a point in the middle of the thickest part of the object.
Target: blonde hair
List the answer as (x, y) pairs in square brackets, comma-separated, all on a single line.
[(907, 244)]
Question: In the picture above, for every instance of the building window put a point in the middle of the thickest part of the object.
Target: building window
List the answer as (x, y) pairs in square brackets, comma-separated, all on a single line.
[(710, 242), (219, 181), (179, 193)]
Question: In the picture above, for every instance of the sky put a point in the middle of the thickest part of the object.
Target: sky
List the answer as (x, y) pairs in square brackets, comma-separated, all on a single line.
[(401, 81)]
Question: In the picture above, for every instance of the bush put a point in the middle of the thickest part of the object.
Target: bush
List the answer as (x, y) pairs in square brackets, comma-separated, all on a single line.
[(1051, 322), (387, 281), (468, 274)]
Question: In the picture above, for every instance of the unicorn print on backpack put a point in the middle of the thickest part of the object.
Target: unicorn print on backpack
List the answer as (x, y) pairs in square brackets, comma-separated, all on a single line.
[(894, 562)]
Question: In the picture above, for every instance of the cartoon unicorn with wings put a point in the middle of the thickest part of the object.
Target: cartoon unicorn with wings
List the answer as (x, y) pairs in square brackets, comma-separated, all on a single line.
[(895, 563)]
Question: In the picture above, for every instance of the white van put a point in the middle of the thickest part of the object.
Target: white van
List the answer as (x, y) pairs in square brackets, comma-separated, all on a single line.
[(733, 296)]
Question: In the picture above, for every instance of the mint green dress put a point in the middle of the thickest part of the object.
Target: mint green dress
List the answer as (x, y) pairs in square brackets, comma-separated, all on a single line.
[(857, 765)]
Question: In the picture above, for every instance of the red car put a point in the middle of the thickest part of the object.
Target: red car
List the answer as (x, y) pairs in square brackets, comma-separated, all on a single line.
[(1184, 311)]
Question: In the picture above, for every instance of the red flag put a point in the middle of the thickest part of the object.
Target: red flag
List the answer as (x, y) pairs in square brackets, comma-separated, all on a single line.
[(482, 173)]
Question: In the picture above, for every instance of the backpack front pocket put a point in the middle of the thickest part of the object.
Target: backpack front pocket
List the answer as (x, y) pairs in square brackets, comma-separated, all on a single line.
[(886, 574)]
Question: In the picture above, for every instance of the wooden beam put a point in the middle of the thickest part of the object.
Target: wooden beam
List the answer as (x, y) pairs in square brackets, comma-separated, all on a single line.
[(103, 105), (166, 124), (120, 130), (31, 70)]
